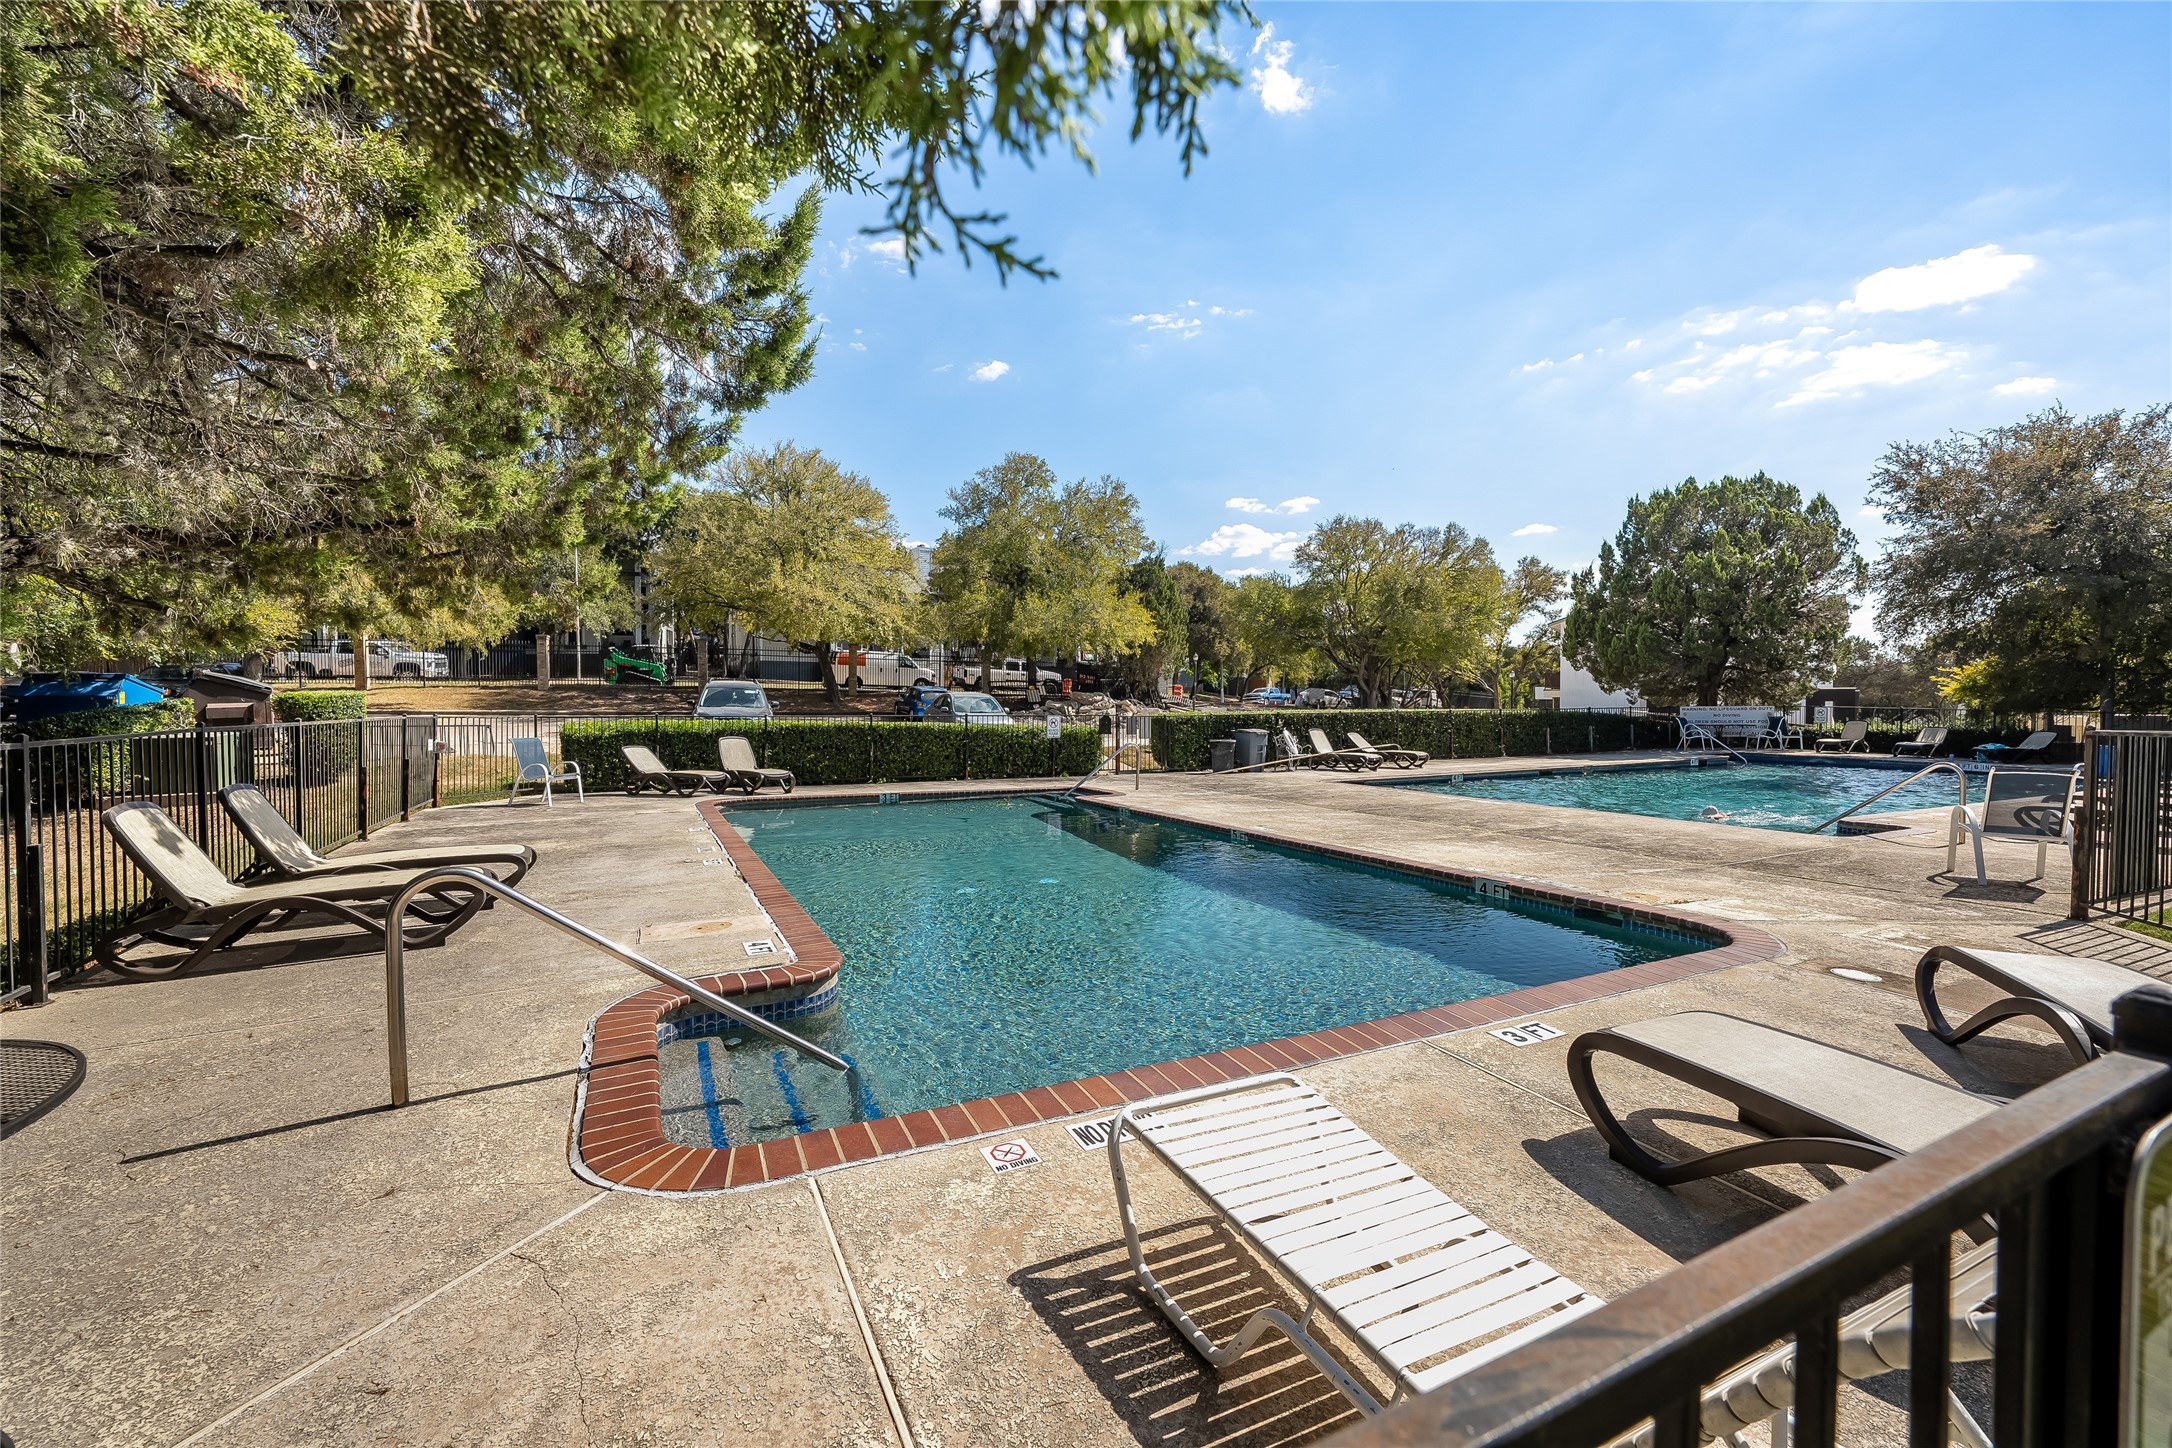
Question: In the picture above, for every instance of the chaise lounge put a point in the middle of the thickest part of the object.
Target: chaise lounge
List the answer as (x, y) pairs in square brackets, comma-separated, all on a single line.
[(1329, 757), (2071, 994), (737, 757), (287, 856), (1926, 740), (1395, 754), (649, 772), (1853, 735)]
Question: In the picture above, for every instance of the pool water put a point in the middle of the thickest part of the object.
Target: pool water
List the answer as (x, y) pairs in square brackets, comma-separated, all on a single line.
[(1760, 796), (995, 945)]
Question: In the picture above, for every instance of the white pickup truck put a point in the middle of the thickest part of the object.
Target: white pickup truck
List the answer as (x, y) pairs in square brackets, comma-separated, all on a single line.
[(1007, 674), (389, 659)]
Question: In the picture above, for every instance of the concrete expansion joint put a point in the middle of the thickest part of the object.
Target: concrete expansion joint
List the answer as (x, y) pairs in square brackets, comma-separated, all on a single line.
[(898, 1424)]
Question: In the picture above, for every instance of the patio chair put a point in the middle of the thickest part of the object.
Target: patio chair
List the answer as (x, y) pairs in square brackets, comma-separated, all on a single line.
[(2032, 747), (1853, 735), (649, 772), (1332, 758), (204, 913), (1927, 739), (288, 856), (535, 767), (1293, 754), (737, 757), (2027, 806), (1395, 754), (2071, 994), (1817, 1104), (1413, 1279)]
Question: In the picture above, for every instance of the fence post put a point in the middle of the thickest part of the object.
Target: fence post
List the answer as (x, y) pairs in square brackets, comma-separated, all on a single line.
[(2085, 833), (406, 771), (361, 779), (30, 938), (871, 749), (203, 789)]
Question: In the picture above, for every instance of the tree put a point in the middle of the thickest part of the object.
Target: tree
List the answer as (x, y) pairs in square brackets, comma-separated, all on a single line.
[(390, 300), (1032, 567), (1886, 677), (1385, 604), (2041, 553), (1268, 630), (794, 546), (1210, 634), (1151, 583), (1735, 589), (1511, 667)]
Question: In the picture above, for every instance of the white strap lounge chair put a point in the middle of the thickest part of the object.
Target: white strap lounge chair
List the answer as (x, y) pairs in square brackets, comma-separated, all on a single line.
[(2029, 748), (1335, 758), (1927, 739), (649, 772), (535, 767), (1853, 735), (737, 757), (288, 856), (2070, 994), (1395, 754), (2030, 807), (1424, 1288)]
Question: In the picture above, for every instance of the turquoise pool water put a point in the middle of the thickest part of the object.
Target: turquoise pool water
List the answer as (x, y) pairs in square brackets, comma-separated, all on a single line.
[(996, 945), (1760, 796)]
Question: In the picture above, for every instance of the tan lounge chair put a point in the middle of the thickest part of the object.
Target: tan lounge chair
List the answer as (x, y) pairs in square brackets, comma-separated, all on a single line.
[(737, 757), (1926, 740), (288, 856), (1852, 736), (1332, 758), (1395, 754), (204, 913), (2071, 994), (649, 772)]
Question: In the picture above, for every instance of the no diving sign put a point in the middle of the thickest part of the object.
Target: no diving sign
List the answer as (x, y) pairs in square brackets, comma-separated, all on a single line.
[(1010, 1155)]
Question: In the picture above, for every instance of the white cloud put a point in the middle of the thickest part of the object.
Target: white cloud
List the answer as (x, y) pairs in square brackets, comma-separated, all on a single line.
[(990, 371), (1532, 530), (2026, 387), (889, 248), (945, 367), (1245, 540), (857, 346), (1871, 510), (1245, 572), (1977, 272), (1279, 89), (1287, 507), (1186, 321), (1535, 366), (1877, 364)]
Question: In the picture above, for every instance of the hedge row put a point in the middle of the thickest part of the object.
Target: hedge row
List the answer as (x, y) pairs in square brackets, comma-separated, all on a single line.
[(110, 719), (824, 751), (1180, 740), (291, 706), (1960, 743)]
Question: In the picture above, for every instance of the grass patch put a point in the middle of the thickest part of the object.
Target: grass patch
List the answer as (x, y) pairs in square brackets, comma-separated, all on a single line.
[(2157, 929)]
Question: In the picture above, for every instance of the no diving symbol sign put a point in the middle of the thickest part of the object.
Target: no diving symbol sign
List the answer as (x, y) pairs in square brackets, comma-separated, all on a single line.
[(1006, 1156)]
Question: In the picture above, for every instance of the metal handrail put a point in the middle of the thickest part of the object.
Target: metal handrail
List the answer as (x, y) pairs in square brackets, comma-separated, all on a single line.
[(1106, 760), (1960, 778), (396, 972), (1699, 731)]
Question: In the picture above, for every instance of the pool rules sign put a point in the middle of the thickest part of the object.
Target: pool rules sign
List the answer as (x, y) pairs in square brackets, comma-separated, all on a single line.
[(2147, 1407)]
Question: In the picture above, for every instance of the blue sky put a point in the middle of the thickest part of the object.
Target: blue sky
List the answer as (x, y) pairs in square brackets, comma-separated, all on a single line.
[(1508, 266)]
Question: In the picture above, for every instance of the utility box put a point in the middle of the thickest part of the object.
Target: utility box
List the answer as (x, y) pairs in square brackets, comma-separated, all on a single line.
[(1221, 755), (1251, 747), (223, 698)]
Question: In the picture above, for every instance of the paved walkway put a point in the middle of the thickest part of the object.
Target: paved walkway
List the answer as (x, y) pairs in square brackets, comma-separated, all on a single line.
[(224, 1238)]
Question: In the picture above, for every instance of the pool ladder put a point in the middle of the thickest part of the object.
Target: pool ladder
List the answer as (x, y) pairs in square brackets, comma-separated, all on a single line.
[(396, 973), (1960, 778)]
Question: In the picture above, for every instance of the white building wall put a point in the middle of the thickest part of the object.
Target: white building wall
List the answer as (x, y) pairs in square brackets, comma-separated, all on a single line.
[(1580, 690)]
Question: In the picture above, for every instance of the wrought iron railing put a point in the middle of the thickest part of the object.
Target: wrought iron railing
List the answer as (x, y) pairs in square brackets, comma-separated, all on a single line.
[(2123, 831), (2050, 1170)]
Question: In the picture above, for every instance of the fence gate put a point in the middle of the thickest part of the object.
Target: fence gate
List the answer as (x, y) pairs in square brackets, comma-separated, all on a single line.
[(2123, 839)]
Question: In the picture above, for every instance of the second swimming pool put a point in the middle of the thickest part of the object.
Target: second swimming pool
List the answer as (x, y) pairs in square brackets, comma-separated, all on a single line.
[(995, 945), (1761, 796)]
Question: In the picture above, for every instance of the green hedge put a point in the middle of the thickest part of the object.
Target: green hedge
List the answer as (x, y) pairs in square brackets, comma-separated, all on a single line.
[(291, 706), (110, 719), (822, 751), (1960, 743), (1180, 740)]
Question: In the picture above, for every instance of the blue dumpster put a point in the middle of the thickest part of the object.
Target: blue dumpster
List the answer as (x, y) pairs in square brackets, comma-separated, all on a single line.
[(41, 696)]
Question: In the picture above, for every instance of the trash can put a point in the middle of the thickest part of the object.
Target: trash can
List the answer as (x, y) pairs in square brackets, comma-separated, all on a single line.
[(1251, 747), (1221, 754)]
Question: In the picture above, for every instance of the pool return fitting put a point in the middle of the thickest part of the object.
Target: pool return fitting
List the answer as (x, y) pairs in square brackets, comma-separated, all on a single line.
[(396, 973)]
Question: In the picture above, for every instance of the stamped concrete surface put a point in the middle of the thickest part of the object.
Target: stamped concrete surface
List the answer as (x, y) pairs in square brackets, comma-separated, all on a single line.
[(225, 1238)]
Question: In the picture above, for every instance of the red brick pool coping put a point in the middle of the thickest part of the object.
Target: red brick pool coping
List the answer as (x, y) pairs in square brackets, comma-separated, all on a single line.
[(617, 1134)]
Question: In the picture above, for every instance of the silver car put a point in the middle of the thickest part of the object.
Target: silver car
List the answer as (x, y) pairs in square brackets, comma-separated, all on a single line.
[(733, 699), (957, 706)]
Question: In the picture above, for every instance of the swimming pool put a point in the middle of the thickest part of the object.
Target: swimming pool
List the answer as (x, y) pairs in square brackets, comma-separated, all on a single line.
[(1760, 796), (996, 945)]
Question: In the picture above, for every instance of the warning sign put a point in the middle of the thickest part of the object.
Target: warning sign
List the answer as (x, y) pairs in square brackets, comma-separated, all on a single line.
[(1010, 1156), (1094, 1135)]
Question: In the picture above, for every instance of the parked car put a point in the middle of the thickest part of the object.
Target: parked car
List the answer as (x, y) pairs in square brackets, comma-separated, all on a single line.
[(1007, 674), (389, 659), (960, 706), (880, 668), (1269, 698), (1319, 698), (914, 699), (733, 699)]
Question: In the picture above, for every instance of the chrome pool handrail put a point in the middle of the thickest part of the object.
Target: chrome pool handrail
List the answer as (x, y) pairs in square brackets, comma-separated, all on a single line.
[(1960, 777), (396, 972)]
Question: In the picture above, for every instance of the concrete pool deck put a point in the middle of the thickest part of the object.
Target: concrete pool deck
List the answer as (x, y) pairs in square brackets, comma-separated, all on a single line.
[(223, 1238)]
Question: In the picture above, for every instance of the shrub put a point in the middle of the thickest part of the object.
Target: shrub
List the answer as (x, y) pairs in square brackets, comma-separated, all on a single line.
[(825, 751), (1960, 743), (1180, 740), (291, 706), (111, 719)]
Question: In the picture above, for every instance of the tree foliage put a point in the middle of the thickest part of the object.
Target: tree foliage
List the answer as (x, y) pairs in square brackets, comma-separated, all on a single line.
[(1210, 624), (792, 545), (1153, 585), (1511, 666), (1385, 605), (1733, 590), (2040, 553), (359, 311)]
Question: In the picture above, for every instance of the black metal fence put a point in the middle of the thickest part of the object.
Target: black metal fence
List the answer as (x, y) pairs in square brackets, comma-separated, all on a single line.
[(2123, 835), (2050, 1170)]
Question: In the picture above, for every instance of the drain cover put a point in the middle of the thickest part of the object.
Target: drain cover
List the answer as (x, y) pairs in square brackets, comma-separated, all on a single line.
[(35, 1077)]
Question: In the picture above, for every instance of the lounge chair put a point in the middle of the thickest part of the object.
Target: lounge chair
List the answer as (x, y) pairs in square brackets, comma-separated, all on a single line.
[(737, 757), (1332, 758), (1927, 739), (649, 772), (1816, 1103), (1412, 1278), (1853, 735), (2072, 995), (535, 767), (2032, 747), (205, 913), (2026, 806), (1395, 754), (288, 856)]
